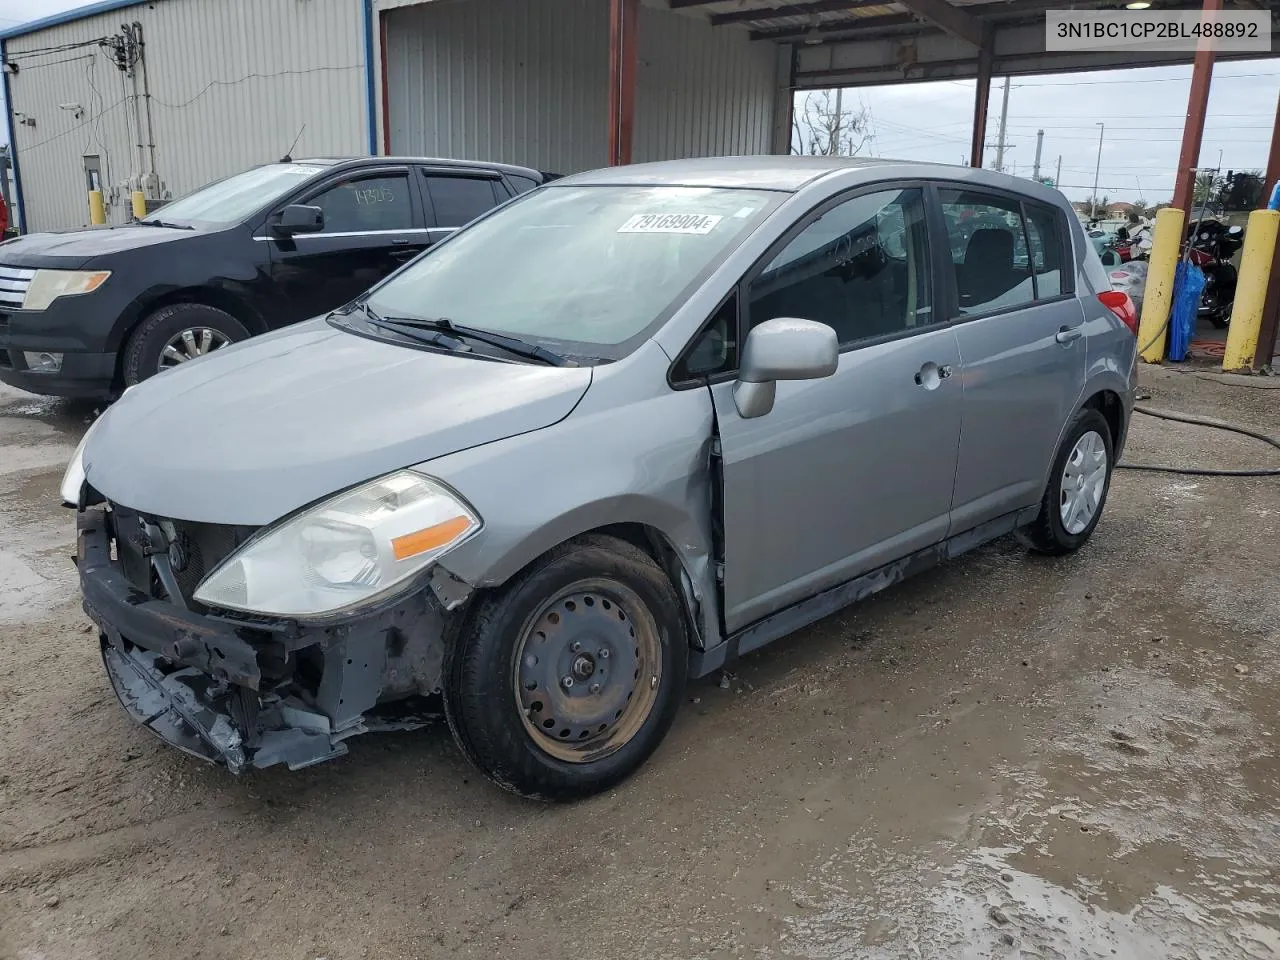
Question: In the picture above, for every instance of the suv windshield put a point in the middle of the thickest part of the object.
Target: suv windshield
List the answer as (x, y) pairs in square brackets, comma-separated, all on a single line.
[(231, 200), (585, 270)]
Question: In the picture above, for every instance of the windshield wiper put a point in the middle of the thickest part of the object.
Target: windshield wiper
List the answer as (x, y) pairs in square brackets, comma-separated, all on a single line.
[(514, 345), (163, 223), (432, 338)]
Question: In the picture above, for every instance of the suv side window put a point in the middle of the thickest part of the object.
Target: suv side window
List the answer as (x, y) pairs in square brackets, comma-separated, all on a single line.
[(522, 184), (366, 204), (1044, 234), (459, 200), (988, 250), (862, 268)]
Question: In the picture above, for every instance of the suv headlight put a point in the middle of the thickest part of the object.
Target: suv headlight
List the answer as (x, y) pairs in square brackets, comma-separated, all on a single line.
[(347, 551), (73, 478), (48, 285)]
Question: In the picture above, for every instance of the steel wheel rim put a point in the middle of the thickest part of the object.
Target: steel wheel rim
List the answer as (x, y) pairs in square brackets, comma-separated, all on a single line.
[(586, 670), (189, 344), (1084, 479)]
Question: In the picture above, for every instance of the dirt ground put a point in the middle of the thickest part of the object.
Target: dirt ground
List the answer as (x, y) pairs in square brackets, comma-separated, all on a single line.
[(1006, 757)]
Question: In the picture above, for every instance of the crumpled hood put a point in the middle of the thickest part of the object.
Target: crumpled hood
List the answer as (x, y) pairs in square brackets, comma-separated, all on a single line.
[(71, 249), (257, 430)]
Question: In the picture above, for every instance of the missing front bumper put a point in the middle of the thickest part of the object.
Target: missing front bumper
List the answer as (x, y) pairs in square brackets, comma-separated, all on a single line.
[(260, 694)]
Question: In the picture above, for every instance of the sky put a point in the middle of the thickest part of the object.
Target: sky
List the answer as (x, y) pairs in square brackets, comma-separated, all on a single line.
[(1142, 109)]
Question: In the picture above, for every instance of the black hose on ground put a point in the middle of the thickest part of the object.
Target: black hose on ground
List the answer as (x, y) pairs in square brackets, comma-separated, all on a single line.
[(1215, 425)]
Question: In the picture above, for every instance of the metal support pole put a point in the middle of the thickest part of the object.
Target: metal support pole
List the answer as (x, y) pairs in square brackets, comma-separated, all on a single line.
[(623, 15), (981, 94), (1004, 119), (1035, 171), (1266, 348), (1197, 105), (1093, 201), (1057, 177)]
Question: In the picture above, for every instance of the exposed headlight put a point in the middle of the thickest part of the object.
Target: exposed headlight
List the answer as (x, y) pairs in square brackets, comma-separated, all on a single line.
[(347, 551), (48, 285), (73, 477)]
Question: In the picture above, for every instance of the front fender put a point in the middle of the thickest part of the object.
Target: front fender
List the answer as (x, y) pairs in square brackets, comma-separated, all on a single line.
[(646, 462)]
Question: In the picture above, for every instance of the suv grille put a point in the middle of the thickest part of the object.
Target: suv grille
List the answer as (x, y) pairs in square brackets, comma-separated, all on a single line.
[(13, 285), (200, 547)]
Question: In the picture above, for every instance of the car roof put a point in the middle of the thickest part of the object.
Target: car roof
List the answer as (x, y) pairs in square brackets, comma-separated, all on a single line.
[(426, 161), (791, 174)]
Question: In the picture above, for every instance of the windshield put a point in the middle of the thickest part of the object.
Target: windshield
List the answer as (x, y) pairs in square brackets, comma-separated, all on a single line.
[(231, 200), (583, 269)]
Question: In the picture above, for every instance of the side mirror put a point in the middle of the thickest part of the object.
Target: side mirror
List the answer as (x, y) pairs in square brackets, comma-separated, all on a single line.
[(299, 218), (782, 349)]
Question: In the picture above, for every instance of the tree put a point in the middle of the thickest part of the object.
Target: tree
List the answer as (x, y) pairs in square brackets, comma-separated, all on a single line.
[(1140, 208), (1206, 187), (822, 126)]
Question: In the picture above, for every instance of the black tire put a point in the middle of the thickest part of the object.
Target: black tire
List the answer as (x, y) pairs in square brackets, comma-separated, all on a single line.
[(146, 343), (481, 688), (1220, 321), (1047, 533)]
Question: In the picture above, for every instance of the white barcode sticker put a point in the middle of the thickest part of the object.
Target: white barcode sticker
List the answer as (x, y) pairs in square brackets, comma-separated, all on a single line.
[(695, 224)]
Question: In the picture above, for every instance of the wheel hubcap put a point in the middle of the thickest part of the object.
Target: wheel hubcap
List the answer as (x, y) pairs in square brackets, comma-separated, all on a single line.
[(587, 671), (1084, 479), (189, 344)]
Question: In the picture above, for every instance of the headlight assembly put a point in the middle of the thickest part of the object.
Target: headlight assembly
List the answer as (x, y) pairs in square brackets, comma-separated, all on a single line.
[(347, 551), (48, 285)]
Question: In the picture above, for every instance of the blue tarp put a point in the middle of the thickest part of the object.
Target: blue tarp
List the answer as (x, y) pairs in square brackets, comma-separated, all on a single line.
[(1188, 284)]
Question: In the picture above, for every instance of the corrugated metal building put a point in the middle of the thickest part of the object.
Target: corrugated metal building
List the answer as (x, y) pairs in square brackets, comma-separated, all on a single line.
[(167, 95)]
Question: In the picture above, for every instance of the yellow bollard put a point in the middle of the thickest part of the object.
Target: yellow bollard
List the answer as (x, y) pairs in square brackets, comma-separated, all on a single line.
[(97, 210), (1251, 289), (1157, 301), (139, 205)]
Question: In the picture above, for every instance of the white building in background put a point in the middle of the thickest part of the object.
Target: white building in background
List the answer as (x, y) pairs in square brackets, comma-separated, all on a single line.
[(166, 95)]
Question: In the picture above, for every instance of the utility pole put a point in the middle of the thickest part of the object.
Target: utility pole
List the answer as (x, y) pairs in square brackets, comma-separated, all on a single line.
[(1057, 177), (1004, 117), (1035, 172), (1093, 202), (834, 146)]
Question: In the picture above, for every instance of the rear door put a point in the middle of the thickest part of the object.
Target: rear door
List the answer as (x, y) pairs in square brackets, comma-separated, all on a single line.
[(373, 222), (456, 197), (852, 471), (1020, 331)]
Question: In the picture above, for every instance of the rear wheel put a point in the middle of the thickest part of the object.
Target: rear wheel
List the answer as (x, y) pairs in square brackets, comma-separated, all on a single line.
[(175, 334), (1077, 490), (564, 682)]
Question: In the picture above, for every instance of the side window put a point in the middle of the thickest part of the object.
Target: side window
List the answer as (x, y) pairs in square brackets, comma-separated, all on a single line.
[(522, 184), (861, 268), (367, 204), (988, 250), (1044, 234), (714, 350), (460, 200)]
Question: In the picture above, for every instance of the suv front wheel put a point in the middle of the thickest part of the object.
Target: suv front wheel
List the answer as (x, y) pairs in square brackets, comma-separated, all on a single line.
[(175, 334), (564, 681)]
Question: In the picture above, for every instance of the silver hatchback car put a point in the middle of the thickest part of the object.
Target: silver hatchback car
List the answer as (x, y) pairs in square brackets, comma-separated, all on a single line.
[(608, 437)]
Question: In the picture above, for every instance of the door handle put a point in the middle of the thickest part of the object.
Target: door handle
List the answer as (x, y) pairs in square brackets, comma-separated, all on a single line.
[(931, 375), (403, 255), (1068, 334)]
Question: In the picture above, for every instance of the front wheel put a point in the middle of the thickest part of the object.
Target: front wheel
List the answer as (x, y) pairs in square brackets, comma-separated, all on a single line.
[(563, 682), (175, 334), (1077, 490)]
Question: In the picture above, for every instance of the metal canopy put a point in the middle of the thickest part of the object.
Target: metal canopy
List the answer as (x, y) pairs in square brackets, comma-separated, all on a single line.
[(865, 42)]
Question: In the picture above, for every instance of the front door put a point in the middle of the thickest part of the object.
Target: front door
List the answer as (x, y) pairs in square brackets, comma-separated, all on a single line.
[(853, 471), (1019, 327), (373, 223)]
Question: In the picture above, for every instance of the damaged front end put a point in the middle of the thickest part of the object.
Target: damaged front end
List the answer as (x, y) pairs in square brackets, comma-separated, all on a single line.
[(242, 690)]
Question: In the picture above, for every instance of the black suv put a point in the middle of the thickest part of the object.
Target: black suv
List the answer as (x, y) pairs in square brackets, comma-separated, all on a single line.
[(85, 313)]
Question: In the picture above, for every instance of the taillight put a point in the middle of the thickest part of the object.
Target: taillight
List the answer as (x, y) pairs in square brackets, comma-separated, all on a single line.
[(1118, 302)]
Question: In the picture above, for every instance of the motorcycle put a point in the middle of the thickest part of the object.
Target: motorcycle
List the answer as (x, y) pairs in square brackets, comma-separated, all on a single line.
[(1211, 245)]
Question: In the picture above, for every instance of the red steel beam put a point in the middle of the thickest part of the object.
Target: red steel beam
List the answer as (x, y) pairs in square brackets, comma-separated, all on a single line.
[(1197, 106), (1266, 348), (623, 16)]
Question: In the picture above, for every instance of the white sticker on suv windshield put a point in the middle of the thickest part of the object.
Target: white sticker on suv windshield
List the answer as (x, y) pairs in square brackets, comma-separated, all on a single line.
[(697, 224)]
